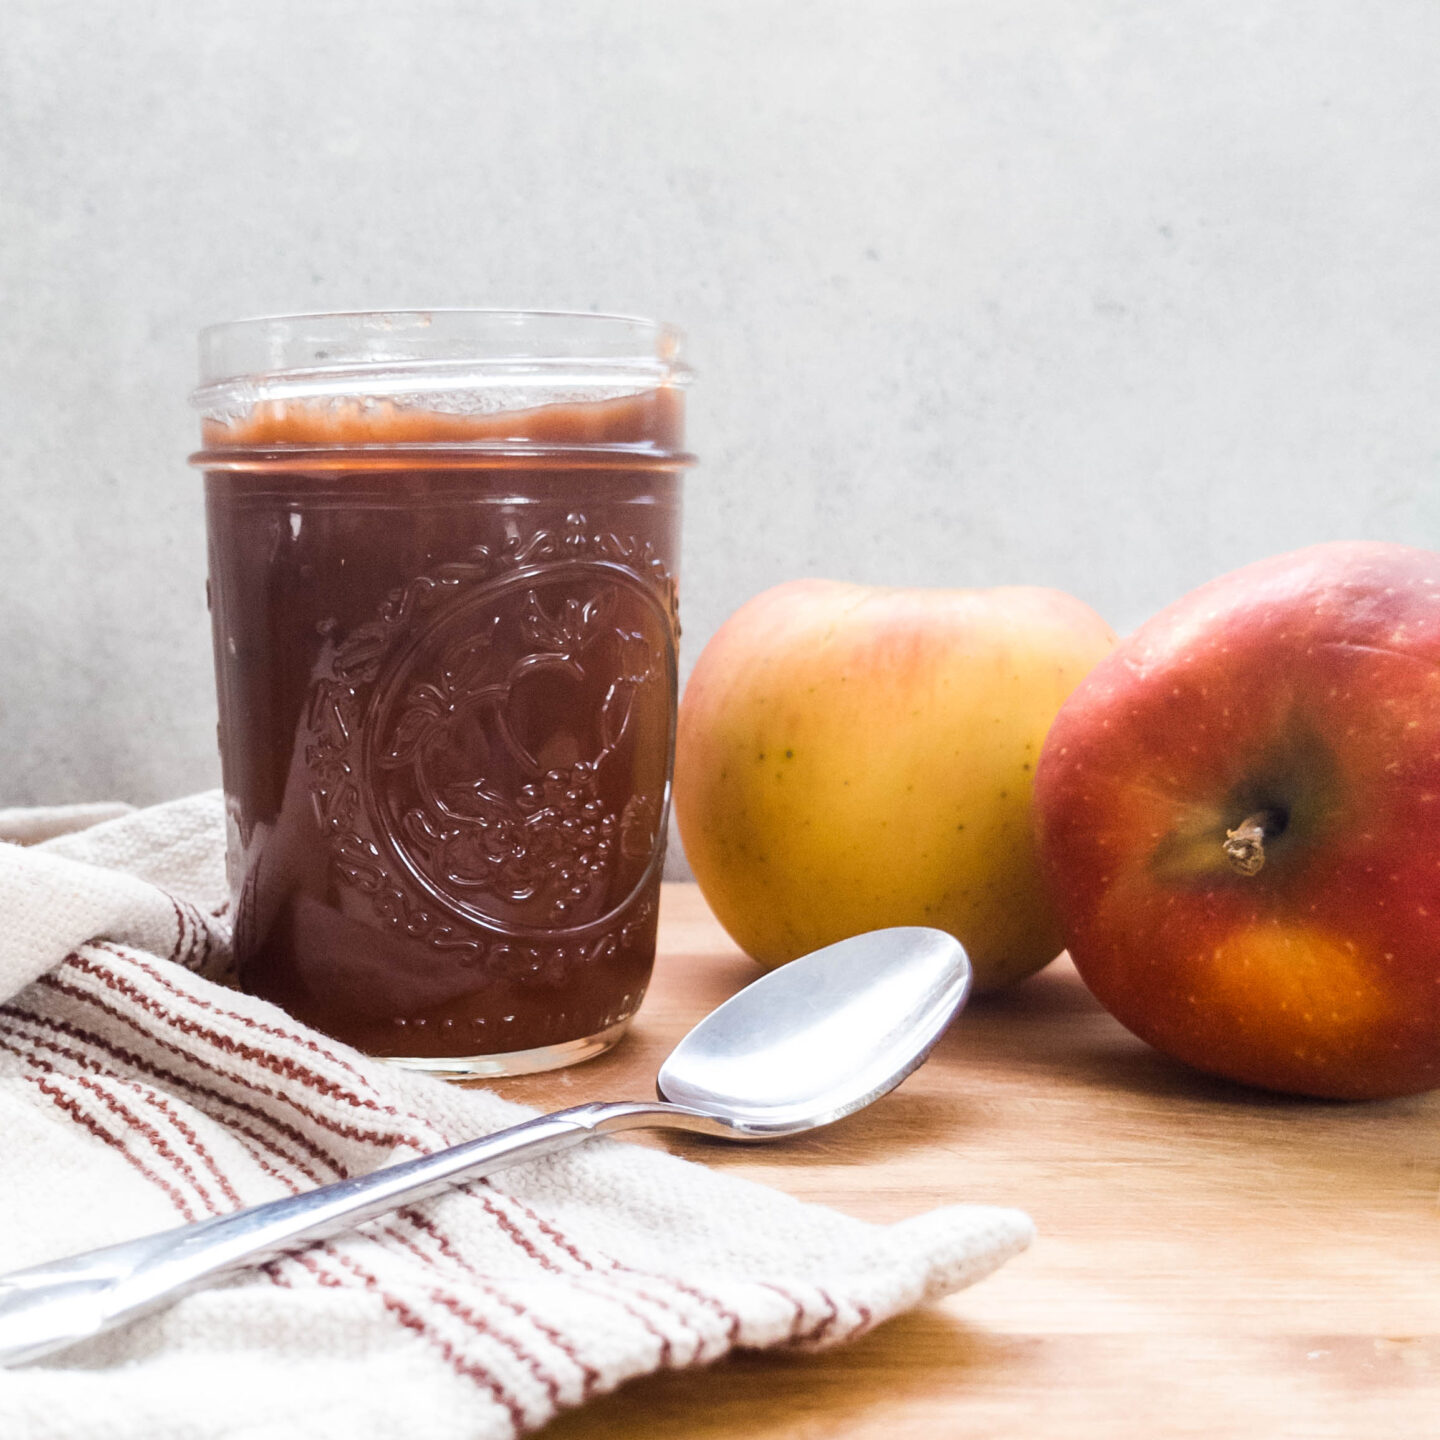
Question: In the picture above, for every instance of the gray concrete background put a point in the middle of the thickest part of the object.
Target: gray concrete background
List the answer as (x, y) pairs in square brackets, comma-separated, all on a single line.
[(1111, 296)]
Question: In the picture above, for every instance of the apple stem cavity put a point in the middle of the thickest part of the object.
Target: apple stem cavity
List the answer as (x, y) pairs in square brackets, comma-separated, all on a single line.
[(1245, 844)]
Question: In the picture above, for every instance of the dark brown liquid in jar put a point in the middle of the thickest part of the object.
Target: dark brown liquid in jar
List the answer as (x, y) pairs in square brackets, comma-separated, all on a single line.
[(447, 684)]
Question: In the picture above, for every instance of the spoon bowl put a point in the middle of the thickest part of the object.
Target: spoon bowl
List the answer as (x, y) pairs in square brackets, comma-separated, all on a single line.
[(823, 1036), (800, 1047)]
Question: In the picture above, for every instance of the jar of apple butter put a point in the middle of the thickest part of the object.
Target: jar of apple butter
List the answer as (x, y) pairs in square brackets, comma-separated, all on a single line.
[(443, 551)]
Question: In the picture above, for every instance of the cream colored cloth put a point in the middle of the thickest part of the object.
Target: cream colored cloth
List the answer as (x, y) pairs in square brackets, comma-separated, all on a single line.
[(136, 1092)]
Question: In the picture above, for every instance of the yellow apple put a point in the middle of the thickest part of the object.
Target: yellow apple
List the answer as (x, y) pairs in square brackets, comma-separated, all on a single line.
[(850, 757)]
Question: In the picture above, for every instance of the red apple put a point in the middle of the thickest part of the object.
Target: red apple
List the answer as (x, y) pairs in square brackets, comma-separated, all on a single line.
[(1239, 824)]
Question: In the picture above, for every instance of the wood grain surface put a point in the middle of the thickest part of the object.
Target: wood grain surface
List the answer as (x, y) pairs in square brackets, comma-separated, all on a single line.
[(1211, 1261)]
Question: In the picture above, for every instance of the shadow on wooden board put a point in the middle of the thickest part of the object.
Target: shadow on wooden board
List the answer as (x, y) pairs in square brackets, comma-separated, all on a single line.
[(791, 1393)]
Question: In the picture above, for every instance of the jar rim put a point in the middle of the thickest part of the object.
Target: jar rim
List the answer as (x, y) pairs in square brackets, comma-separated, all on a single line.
[(452, 365), (378, 351)]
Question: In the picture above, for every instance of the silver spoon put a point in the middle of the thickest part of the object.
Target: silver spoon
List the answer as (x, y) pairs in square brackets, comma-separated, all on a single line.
[(802, 1046)]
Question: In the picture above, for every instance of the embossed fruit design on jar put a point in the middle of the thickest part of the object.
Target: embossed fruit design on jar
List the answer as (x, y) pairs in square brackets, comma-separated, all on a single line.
[(443, 554)]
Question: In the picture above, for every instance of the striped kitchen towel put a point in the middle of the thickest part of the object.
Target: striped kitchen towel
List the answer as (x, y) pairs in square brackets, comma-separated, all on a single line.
[(138, 1092)]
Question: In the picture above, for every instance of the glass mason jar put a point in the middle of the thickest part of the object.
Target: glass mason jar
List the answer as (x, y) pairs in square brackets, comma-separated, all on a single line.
[(443, 550)]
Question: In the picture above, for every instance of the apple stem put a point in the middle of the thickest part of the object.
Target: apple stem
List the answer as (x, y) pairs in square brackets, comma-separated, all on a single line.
[(1245, 844)]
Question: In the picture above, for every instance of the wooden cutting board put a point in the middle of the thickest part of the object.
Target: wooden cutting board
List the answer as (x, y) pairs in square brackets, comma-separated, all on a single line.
[(1211, 1261)]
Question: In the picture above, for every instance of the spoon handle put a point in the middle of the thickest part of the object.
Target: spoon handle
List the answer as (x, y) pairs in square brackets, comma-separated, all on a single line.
[(49, 1307)]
